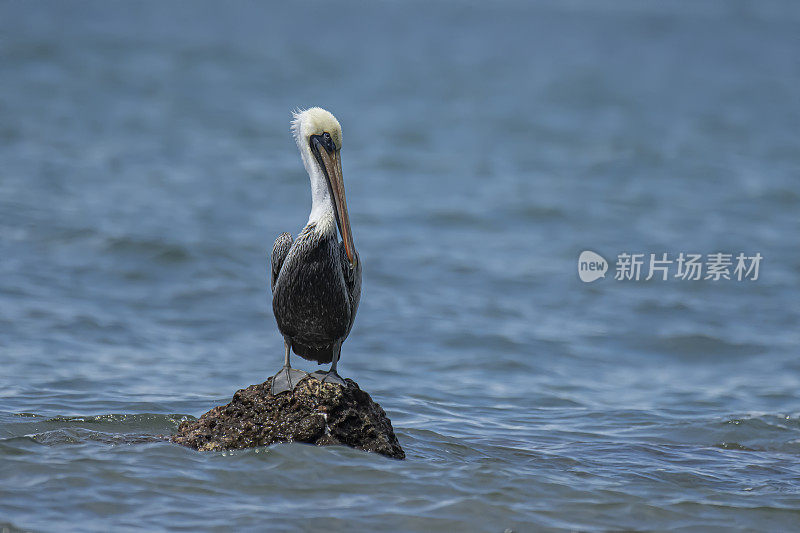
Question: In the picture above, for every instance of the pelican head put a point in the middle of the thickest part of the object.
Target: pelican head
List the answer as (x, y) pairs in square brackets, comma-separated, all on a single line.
[(319, 139)]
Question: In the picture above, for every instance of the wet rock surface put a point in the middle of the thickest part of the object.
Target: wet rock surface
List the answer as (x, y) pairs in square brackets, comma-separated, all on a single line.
[(315, 413)]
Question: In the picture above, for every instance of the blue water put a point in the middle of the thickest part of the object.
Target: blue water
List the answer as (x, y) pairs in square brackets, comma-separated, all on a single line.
[(146, 167)]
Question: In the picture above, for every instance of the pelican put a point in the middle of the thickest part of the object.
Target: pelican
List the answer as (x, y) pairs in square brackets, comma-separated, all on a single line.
[(316, 279)]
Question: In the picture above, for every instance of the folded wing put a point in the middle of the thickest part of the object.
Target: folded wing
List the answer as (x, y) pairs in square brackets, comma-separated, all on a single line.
[(279, 252)]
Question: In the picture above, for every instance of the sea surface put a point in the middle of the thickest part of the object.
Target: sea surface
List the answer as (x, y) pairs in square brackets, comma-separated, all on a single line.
[(146, 167)]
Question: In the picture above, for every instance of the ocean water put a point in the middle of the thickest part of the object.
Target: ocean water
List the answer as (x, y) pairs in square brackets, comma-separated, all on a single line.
[(146, 167)]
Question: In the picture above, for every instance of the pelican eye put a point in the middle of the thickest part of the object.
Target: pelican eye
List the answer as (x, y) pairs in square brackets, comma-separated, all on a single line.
[(326, 138), (323, 140)]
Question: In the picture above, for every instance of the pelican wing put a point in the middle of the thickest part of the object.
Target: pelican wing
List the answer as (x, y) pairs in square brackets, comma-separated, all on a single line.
[(279, 252), (352, 279)]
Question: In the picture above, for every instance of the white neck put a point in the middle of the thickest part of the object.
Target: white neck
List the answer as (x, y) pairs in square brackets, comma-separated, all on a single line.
[(322, 212)]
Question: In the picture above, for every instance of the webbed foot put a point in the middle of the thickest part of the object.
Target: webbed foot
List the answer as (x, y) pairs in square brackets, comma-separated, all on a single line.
[(286, 380), (329, 377)]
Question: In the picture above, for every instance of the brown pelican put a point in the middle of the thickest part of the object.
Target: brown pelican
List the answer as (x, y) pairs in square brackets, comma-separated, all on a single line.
[(316, 280)]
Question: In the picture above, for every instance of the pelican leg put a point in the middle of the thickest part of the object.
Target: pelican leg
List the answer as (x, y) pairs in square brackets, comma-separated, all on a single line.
[(331, 376), (288, 377)]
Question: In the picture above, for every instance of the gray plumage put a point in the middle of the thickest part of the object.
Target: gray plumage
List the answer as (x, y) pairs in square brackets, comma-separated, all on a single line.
[(315, 293), (279, 252)]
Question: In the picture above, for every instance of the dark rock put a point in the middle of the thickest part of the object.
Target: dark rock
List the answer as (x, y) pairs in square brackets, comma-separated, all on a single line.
[(315, 413)]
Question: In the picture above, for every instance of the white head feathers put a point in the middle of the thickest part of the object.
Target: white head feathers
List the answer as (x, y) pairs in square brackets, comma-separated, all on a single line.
[(315, 121)]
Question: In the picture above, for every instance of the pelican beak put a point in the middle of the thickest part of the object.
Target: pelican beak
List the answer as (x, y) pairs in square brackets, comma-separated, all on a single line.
[(328, 157)]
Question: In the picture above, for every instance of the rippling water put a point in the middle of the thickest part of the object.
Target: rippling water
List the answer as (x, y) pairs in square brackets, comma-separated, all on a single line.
[(146, 167)]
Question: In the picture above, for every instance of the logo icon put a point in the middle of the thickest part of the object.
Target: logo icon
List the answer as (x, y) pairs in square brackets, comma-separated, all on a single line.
[(591, 266)]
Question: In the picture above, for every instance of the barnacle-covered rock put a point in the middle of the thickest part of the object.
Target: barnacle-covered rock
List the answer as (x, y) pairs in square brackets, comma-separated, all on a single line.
[(315, 413)]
